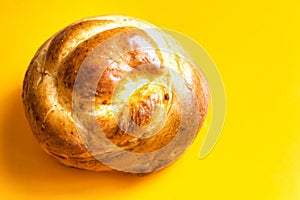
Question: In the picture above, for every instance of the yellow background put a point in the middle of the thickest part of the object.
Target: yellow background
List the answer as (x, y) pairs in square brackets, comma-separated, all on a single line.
[(255, 45)]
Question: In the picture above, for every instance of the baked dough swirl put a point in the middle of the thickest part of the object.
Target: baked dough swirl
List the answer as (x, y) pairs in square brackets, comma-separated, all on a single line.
[(138, 102)]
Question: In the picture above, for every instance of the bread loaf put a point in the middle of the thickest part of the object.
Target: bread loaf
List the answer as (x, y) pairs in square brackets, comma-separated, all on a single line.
[(106, 93)]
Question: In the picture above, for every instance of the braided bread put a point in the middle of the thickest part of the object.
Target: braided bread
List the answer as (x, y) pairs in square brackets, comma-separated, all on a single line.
[(105, 93)]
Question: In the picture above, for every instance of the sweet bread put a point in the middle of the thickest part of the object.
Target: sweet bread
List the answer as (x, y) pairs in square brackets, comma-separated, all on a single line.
[(105, 94)]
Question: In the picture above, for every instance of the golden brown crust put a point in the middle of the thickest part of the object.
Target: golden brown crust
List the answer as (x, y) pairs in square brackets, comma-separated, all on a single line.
[(50, 78)]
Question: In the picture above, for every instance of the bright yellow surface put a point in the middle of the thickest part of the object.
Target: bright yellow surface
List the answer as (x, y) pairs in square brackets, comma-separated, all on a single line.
[(256, 47)]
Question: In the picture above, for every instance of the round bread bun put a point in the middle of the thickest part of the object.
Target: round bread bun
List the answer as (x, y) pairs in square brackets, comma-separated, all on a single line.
[(106, 93)]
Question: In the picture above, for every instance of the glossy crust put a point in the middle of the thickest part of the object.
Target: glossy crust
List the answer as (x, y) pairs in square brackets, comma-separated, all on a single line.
[(49, 82)]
